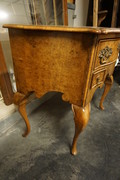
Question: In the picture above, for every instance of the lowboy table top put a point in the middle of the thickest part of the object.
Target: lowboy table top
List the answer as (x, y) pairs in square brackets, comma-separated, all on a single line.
[(97, 30)]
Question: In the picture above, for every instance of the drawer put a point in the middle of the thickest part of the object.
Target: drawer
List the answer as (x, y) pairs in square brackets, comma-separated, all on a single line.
[(98, 78), (107, 52)]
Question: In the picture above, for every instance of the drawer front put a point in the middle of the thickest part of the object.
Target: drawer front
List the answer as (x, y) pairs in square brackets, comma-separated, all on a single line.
[(107, 52), (98, 78)]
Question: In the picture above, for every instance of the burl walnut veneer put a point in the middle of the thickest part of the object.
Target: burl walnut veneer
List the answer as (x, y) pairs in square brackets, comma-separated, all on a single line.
[(73, 61)]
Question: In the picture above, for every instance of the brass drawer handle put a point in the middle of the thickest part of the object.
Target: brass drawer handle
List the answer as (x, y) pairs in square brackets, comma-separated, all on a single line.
[(104, 54)]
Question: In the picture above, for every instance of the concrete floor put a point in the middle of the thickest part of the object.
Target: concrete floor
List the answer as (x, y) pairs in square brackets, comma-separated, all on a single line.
[(45, 153)]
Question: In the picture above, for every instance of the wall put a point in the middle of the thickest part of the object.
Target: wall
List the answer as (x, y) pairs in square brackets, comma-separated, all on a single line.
[(81, 12)]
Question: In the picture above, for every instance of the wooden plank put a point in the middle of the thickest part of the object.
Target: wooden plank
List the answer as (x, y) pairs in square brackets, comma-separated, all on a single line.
[(5, 84), (114, 14), (65, 12), (101, 16), (95, 13), (55, 12)]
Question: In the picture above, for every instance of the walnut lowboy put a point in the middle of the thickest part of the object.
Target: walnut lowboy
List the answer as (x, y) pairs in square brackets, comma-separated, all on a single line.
[(73, 61)]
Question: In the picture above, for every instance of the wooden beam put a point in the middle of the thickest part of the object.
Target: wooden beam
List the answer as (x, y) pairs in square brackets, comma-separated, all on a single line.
[(95, 13), (114, 14), (65, 12), (55, 12)]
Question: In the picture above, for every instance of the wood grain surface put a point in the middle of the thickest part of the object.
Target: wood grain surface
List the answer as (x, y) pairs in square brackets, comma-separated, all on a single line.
[(52, 61), (73, 61), (97, 30)]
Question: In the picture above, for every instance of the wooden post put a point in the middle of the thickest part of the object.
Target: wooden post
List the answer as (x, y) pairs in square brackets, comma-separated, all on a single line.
[(114, 14), (65, 12), (5, 84), (95, 13), (55, 12)]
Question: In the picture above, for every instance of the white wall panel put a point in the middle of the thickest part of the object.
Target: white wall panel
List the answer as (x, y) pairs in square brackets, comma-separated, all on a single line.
[(81, 12)]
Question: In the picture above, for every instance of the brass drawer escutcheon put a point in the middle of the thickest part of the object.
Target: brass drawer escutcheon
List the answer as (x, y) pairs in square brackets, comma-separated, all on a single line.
[(104, 54)]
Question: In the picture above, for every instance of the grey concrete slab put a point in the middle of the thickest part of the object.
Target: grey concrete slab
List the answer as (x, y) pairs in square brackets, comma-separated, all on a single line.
[(45, 153)]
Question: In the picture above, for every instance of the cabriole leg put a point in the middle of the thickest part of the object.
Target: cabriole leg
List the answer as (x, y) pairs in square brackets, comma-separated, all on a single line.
[(108, 84), (81, 117), (22, 111), (21, 100)]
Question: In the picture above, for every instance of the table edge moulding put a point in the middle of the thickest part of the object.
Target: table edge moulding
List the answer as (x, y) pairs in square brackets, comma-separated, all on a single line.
[(73, 61)]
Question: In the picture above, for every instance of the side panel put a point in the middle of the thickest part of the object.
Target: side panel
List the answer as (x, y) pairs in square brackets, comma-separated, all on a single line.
[(52, 61)]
